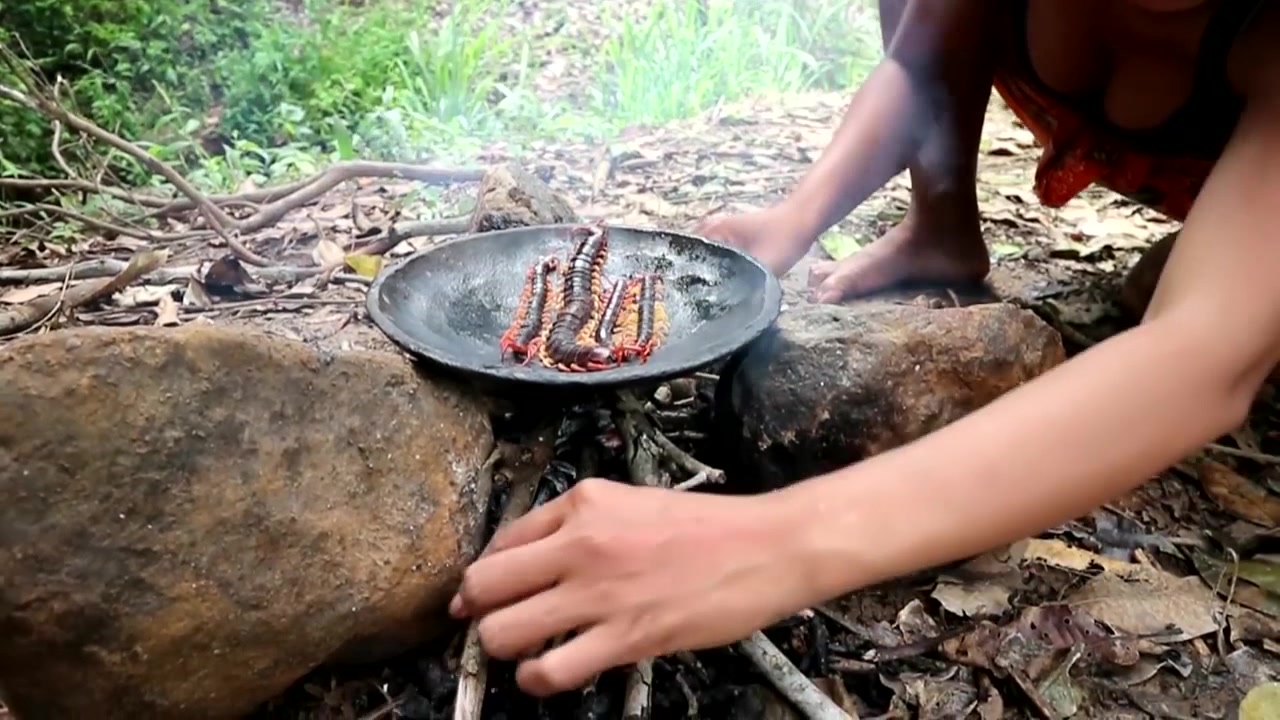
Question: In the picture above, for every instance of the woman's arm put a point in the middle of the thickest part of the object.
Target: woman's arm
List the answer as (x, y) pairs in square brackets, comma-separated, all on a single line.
[(943, 49), (1093, 428)]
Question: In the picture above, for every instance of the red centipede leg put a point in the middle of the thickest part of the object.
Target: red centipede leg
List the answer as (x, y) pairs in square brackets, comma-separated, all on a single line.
[(531, 351)]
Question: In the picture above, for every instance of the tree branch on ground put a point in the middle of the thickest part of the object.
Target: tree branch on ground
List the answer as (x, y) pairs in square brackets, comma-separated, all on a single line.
[(276, 202)]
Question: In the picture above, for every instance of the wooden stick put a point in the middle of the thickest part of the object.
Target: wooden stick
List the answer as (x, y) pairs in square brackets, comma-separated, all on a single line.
[(639, 691), (644, 468), (794, 686), (641, 464), (473, 668)]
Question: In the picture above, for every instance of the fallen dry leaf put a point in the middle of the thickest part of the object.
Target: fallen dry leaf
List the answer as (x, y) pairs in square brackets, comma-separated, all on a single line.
[(991, 706), (1151, 602), (1228, 579), (167, 312), (1237, 495), (1059, 554), (981, 599), (915, 624), (327, 254), (937, 697), (28, 293), (1058, 689)]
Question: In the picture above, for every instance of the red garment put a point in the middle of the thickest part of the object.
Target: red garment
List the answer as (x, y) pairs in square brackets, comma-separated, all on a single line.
[(1163, 169), (1078, 154)]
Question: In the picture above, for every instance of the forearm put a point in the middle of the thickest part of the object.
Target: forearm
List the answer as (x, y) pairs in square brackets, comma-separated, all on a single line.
[(1049, 451), (939, 66), (874, 141)]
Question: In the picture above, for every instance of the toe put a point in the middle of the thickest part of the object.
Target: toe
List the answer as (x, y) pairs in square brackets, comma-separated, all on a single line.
[(819, 272)]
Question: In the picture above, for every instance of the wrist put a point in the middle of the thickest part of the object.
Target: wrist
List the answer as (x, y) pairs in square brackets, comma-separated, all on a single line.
[(802, 215), (829, 534)]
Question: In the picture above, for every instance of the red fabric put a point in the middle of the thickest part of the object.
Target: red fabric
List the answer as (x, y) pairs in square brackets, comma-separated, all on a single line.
[(1078, 154)]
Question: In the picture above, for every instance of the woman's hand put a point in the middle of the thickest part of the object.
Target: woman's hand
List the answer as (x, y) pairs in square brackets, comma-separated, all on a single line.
[(776, 236), (637, 572)]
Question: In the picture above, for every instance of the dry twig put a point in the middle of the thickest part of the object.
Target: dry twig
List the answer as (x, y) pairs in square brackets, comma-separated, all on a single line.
[(633, 411), (1243, 453), (42, 308), (642, 465), (789, 681), (525, 468), (278, 201)]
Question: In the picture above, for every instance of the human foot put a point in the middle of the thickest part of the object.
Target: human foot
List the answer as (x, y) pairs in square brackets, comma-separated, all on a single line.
[(914, 253)]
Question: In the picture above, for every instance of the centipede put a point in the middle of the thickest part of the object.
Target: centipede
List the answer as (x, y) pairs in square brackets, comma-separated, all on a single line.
[(569, 344), (612, 311), (523, 337), (651, 318), (573, 319)]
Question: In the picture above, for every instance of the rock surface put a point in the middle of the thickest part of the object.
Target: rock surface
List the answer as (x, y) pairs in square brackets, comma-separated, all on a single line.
[(831, 385), (511, 197), (194, 518)]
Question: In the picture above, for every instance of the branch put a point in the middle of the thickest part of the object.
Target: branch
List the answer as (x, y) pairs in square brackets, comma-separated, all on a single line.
[(103, 225), (789, 681), (643, 466), (339, 173), (55, 112), (282, 200), (411, 229), (39, 310), (82, 185), (528, 461)]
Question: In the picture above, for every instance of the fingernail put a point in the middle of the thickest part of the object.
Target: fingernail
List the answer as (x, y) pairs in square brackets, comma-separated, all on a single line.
[(455, 606)]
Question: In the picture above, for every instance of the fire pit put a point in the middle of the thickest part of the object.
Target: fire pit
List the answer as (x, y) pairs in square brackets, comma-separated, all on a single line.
[(463, 305)]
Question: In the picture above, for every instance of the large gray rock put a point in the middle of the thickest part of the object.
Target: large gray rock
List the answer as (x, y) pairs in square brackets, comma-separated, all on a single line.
[(831, 385), (194, 518)]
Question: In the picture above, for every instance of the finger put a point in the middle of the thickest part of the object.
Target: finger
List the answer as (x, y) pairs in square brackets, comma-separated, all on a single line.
[(707, 226), (506, 577), (523, 627), (534, 525), (571, 665)]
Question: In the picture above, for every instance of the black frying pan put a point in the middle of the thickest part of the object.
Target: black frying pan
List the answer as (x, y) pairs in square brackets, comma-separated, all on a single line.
[(450, 304)]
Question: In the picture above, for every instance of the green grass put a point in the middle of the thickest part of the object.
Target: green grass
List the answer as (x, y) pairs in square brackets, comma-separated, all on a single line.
[(415, 79)]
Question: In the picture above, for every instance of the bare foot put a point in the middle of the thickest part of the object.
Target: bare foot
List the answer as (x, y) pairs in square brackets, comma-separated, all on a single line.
[(912, 253)]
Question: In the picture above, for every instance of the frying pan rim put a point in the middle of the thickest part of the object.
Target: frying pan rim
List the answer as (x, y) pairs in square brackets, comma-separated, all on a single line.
[(771, 309)]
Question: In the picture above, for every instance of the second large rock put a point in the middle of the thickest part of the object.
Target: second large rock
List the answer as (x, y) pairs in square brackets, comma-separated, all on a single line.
[(831, 385)]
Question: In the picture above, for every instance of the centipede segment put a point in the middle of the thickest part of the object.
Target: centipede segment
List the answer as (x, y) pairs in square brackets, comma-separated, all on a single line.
[(570, 345), (651, 319), (530, 309), (607, 329), (574, 319)]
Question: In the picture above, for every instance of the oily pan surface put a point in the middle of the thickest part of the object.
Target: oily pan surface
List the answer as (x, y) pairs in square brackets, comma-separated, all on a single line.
[(450, 304)]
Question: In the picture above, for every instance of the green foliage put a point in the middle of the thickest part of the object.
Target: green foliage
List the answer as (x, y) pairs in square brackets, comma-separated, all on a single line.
[(289, 84), (689, 54)]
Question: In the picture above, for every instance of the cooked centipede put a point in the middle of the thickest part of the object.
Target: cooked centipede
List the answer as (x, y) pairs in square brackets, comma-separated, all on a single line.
[(612, 310), (522, 337), (569, 343), (651, 320)]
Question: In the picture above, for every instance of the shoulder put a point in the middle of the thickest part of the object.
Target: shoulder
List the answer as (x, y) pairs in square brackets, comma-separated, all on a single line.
[(1254, 63)]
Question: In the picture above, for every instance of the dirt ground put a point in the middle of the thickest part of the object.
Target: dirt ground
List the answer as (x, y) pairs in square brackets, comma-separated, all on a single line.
[(1179, 573)]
